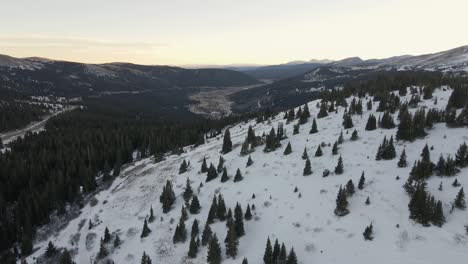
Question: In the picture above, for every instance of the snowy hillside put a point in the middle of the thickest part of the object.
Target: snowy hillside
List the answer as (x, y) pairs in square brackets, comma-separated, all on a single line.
[(304, 219)]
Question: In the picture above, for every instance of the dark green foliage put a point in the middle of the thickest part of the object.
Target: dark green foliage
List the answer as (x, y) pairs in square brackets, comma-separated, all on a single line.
[(362, 181), (386, 121), (296, 129), (221, 208), (180, 233), (292, 258), (350, 188), (323, 111), (268, 255), (193, 248), (195, 229), (367, 201), (51, 250), (214, 251), (307, 168), (183, 167), (461, 157), (103, 252), (423, 208), (65, 257), (239, 220), (244, 261), (206, 235), (167, 197), (288, 149), (371, 123), (248, 213), (231, 241), (245, 148), (411, 127), (340, 138), (229, 218), (117, 241), (151, 216), (335, 148), (188, 192), (341, 203), (339, 166), (238, 177), (212, 173), (224, 176), (183, 213), (423, 168), (386, 150), (446, 167), (271, 141), (145, 259), (458, 98), (204, 167), (347, 121), (107, 236), (145, 231), (368, 232), (354, 135), (195, 205), (305, 156), (227, 144), (213, 210), (402, 162), (314, 129), (318, 152), (459, 201), (249, 161), (369, 104), (456, 183), (220, 167)]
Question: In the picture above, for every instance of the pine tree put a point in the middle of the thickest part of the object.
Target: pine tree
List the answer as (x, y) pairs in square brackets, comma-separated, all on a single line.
[(347, 121), (314, 129), (245, 148), (292, 258), (151, 216), (340, 139), (180, 233), (367, 201), (249, 162), (229, 218), (244, 261), (212, 212), (183, 167), (341, 203), (402, 162), (212, 173), (102, 250), (362, 181), (195, 230), (238, 177), (188, 191), (268, 255), (220, 164), (371, 123), (307, 168), (224, 176), (204, 167), (239, 220), (276, 251), (50, 250), (368, 232), (193, 248), (146, 231), (167, 197), (248, 213), (117, 241), (206, 235), (350, 188), (214, 251), (195, 205), (107, 236), (221, 208), (65, 257), (145, 259), (438, 217), (227, 144), (459, 201), (304, 154), (322, 113), (354, 135), (231, 241), (335, 148), (339, 166), (288, 149), (296, 129), (461, 157), (318, 152)]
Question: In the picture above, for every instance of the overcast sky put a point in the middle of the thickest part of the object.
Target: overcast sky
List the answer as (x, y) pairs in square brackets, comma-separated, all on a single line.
[(229, 31)]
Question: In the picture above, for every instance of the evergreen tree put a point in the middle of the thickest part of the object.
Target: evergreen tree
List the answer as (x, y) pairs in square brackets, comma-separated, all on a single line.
[(244, 261), (368, 232), (193, 248), (354, 135), (318, 152), (229, 218), (183, 167), (322, 113), (245, 148), (195, 205), (339, 166), (249, 161), (221, 208), (386, 121), (305, 156), (204, 167), (213, 210), (50, 250), (350, 188), (220, 164), (214, 251), (296, 129), (180, 233), (212, 173), (276, 251), (347, 121), (102, 250), (231, 241), (461, 157), (335, 148), (117, 241), (271, 141), (288, 149), (459, 201), (340, 138), (367, 201), (146, 231), (362, 181), (206, 235), (188, 192), (145, 259), (341, 203), (26, 245), (238, 177), (307, 168), (402, 162), (248, 213), (65, 257), (195, 229), (227, 144), (167, 197), (107, 236), (314, 129), (239, 220), (268, 255), (292, 258), (371, 123), (151, 216), (438, 217), (224, 176)]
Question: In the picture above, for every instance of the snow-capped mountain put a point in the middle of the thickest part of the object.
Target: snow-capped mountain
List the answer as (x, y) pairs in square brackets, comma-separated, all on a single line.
[(295, 209)]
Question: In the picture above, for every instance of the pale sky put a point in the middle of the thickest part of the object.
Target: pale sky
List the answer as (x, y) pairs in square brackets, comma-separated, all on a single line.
[(180, 32)]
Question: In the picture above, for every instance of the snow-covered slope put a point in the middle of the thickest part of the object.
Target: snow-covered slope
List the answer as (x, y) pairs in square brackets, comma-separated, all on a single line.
[(306, 223)]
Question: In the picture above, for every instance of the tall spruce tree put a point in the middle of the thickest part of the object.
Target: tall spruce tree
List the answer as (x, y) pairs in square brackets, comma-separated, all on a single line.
[(249, 161), (188, 191), (224, 176), (459, 201), (318, 152), (268, 255), (238, 177), (193, 248), (371, 123), (341, 203), (288, 149), (195, 205), (339, 166), (145, 231), (206, 235), (307, 168), (314, 129), (231, 242), (214, 251), (368, 232), (227, 144), (402, 162), (167, 197), (239, 220), (362, 181)]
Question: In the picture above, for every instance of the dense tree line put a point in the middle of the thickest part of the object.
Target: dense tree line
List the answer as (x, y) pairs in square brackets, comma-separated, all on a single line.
[(14, 115)]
